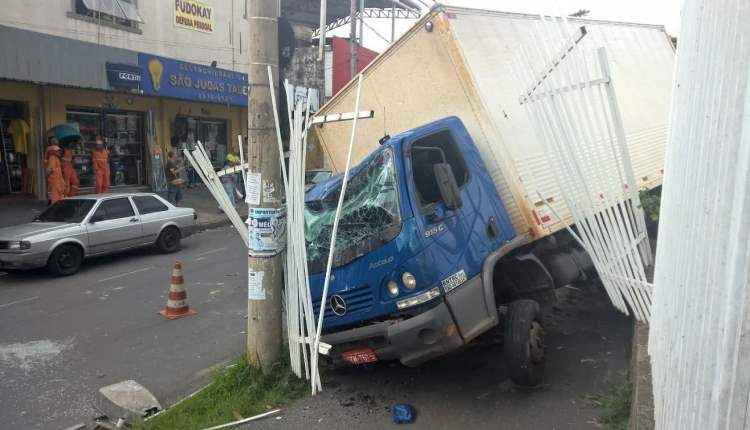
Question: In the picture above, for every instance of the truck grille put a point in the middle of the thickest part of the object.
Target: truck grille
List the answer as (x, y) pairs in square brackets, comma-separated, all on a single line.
[(358, 301)]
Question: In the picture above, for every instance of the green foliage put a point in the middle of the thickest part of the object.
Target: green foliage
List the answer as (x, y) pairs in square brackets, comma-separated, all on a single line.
[(238, 389), (651, 199), (615, 405)]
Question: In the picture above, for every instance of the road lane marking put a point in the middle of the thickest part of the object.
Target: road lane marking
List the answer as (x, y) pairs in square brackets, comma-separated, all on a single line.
[(213, 251), (28, 299), (121, 275)]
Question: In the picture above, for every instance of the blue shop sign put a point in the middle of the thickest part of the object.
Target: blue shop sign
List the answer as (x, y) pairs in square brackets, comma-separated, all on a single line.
[(190, 81), (123, 76)]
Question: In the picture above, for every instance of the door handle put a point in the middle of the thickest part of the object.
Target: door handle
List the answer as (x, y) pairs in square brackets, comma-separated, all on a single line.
[(133, 219)]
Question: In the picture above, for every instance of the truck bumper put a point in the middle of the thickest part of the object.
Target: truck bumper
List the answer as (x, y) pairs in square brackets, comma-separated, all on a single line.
[(413, 341)]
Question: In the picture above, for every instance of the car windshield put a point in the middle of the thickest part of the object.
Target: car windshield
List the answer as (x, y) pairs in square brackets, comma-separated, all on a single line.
[(69, 210), (370, 215)]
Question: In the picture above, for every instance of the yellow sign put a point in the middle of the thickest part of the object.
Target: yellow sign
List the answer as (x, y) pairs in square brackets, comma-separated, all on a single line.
[(193, 15)]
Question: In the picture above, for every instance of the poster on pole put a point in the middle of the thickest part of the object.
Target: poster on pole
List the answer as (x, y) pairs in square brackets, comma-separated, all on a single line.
[(266, 230), (253, 186), (255, 290)]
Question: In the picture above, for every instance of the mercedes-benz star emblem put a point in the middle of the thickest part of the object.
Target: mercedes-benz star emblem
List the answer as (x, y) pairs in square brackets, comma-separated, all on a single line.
[(338, 305)]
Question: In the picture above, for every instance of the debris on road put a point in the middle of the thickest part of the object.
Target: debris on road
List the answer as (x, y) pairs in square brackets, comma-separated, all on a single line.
[(127, 399), (403, 413)]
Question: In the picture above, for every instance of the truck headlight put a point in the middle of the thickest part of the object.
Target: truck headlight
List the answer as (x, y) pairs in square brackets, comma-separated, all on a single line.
[(18, 245), (392, 288), (418, 299), (410, 282)]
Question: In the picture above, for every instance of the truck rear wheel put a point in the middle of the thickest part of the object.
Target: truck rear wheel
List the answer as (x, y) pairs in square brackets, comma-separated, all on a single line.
[(524, 343)]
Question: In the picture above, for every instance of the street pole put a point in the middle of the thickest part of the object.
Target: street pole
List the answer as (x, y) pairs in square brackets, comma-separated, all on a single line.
[(265, 267), (353, 39)]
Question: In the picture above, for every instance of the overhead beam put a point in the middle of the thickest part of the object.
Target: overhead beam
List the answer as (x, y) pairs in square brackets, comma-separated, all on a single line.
[(369, 13)]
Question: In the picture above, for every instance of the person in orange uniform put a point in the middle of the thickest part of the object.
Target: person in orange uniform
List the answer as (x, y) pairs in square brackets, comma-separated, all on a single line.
[(100, 161), (55, 182), (69, 173)]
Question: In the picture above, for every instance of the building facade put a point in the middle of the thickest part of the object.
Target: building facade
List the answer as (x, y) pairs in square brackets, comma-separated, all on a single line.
[(148, 75)]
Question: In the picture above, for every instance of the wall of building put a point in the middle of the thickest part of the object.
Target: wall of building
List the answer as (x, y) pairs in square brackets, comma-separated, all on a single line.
[(158, 35), (341, 61)]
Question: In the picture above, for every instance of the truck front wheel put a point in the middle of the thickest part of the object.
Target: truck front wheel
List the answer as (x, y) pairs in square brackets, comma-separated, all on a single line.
[(524, 343)]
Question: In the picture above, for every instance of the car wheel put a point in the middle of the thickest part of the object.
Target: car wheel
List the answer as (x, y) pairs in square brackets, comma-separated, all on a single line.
[(169, 240), (65, 260), (524, 343)]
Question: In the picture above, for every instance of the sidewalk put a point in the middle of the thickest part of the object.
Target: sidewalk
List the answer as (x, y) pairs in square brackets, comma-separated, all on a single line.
[(23, 209), (209, 215)]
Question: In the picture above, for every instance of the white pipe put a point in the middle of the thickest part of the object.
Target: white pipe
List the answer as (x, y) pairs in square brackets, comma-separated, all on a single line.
[(335, 227)]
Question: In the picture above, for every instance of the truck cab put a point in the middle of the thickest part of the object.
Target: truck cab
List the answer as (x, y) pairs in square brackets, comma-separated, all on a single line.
[(421, 235)]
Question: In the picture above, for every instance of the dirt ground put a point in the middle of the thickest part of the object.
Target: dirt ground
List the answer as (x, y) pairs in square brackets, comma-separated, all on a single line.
[(587, 347)]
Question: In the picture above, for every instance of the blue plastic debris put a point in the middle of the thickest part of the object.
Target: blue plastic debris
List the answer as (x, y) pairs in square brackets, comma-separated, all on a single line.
[(403, 413)]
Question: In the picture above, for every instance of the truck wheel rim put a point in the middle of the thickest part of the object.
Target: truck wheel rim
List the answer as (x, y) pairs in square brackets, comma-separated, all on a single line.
[(536, 342)]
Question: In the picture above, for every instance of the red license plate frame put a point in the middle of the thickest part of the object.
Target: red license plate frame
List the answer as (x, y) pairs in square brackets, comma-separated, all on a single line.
[(360, 356)]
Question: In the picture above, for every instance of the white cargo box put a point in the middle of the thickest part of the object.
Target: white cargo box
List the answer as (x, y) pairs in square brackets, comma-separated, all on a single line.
[(458, 61)]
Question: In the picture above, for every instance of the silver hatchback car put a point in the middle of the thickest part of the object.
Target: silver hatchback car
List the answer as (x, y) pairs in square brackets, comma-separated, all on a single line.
[(73, 229)]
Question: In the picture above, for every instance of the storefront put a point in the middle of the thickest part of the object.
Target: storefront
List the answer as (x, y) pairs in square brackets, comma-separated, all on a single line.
[(222, 94), (123, 133), (143, 106)]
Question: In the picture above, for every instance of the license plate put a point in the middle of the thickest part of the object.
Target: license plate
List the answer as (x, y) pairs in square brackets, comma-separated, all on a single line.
[(360, 356)]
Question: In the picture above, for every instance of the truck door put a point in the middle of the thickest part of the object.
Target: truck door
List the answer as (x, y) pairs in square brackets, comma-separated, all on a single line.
[(457, 244), (443, 229)]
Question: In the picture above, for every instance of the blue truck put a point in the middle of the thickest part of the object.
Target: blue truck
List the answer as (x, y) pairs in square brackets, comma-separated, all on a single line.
[(426, 257)]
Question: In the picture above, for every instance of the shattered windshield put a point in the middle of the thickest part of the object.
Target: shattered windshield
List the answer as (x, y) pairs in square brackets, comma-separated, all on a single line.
[(370, 214)]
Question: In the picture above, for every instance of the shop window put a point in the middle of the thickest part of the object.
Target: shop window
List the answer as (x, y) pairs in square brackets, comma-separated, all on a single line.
[(115, 13), (124, 139), (14, 148), (114, 209), (428, 151), (212, 133), (149, 205)]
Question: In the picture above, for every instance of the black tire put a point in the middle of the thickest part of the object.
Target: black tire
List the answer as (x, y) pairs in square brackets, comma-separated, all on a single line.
[(523, 346), (65, 260), (169, 240)]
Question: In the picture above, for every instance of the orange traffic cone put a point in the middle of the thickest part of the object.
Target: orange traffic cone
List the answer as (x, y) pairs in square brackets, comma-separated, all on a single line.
[(177, 305)]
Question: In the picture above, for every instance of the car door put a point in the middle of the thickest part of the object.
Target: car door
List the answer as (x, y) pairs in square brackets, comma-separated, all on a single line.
[(113, 226), (153, 214)]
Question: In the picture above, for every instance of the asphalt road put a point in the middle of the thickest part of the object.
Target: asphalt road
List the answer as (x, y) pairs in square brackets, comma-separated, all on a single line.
[(61, 339), (587, 344)]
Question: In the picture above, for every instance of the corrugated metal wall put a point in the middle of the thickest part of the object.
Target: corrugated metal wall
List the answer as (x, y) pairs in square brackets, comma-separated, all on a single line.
[(699, 345), (37, 57)]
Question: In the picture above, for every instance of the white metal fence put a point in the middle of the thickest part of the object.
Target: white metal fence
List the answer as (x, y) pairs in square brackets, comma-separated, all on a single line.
[(577, 119), (699, 344)]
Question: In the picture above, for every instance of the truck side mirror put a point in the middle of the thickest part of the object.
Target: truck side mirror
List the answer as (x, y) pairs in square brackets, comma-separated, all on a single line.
[(448, 186)]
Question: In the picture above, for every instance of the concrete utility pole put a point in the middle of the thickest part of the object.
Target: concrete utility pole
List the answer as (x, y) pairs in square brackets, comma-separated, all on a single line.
[(353, 39), (265, 269)]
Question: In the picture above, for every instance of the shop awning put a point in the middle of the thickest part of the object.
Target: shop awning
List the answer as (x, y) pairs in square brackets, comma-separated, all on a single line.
[(117, 8)]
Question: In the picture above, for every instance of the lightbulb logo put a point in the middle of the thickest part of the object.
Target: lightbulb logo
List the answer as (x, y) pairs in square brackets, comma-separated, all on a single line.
[(155, 69)]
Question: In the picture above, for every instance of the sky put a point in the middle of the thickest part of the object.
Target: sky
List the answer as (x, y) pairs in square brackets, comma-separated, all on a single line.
[(664, 12)]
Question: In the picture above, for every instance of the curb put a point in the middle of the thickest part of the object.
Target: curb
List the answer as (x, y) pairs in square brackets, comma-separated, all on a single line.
[(642, 401), (209, 225)]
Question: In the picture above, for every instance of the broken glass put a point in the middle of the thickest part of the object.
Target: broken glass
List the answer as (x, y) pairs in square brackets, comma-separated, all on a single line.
[(370, 215)]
